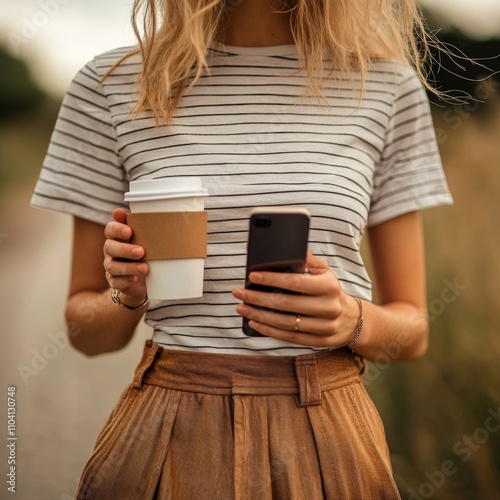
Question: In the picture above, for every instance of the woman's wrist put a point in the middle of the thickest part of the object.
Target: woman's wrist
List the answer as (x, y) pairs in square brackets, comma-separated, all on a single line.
[(359, 325), (353, 320), (127, 301)]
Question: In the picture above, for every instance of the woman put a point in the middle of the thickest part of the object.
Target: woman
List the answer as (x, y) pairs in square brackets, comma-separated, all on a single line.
[(310, 104)]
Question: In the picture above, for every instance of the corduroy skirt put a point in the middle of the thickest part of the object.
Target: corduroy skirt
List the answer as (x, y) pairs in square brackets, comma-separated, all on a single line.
[(236, 427)]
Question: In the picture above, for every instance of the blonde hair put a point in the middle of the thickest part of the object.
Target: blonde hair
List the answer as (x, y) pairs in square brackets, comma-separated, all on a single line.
[(176, 35)]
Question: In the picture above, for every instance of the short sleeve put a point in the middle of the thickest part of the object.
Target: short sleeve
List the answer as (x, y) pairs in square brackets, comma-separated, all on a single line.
[(82, 174), (410, 175)]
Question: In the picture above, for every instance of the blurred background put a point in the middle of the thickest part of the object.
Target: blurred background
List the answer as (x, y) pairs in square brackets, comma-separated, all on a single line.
[(442, 413)]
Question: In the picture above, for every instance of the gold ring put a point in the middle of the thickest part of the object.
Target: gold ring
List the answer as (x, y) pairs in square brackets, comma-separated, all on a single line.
[(297, 323)]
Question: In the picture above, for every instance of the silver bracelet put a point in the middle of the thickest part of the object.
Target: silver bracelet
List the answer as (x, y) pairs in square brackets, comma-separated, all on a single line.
[(115, 297), (357, 332)]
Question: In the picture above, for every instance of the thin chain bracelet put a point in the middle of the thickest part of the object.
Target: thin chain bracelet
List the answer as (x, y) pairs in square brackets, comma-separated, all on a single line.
[(115, 297), (357, 332)]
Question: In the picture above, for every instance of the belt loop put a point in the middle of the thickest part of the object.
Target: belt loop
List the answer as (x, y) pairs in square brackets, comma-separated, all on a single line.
[(307, 377), (151, 349)]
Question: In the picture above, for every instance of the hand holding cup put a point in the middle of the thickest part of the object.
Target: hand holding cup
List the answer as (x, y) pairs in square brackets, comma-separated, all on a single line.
[(125, 269)]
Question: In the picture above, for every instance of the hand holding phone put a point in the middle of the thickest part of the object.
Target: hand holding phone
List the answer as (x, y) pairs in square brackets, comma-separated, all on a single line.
[(277, 242)]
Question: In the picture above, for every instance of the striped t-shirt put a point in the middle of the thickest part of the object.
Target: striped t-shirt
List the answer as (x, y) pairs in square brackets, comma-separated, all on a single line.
[(255, 139)]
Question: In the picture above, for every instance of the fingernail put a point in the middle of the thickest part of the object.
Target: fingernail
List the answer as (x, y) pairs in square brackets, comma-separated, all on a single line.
[(142, 268), (255, 277), (243, 310), (126, 232), (136, 252), (238, 293)]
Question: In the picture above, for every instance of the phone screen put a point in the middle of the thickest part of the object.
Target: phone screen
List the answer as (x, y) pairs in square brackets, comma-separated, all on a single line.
[(277, 242)]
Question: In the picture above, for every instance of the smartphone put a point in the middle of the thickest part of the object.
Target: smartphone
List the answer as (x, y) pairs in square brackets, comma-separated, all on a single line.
[(277, 241)]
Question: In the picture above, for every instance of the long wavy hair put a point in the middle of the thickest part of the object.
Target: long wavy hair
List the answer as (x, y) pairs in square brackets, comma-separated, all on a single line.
[(174, 36)]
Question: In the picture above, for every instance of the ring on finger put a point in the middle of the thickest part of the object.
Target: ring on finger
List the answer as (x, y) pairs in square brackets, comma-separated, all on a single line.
[(297, 323)]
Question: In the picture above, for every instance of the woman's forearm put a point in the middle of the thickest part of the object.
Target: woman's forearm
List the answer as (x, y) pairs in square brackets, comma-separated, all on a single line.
[(97, 325)]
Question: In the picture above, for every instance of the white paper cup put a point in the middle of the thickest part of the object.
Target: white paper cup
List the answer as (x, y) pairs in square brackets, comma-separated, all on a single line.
[(175, 278)]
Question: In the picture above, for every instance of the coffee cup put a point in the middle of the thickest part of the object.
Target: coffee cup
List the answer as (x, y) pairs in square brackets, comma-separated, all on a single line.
[(168, 220)]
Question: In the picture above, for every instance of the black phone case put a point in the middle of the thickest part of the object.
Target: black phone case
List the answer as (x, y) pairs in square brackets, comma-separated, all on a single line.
[(277, 242)]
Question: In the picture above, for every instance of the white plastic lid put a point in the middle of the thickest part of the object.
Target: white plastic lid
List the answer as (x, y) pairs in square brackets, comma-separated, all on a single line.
[(166, 188)]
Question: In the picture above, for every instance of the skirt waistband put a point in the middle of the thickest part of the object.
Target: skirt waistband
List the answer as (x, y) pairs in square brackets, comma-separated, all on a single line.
[(306, 375)]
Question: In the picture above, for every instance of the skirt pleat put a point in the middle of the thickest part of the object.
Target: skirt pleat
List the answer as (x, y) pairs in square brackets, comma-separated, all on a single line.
[(275, 450), (351, 445), (129, 455), (200, 451), (229, 427)]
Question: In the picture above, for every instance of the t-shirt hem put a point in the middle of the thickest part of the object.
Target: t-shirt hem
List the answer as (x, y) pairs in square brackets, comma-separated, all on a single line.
[(64, 208), (291, 350), (410, 206)]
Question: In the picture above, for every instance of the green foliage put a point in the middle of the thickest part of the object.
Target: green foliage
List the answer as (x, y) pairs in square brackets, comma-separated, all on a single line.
[(18, 92), (27, 118)]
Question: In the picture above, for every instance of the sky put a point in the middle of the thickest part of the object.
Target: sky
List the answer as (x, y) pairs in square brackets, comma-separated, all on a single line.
[(57, 37)]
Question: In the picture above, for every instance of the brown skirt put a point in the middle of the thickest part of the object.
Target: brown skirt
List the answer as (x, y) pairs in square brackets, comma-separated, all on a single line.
[(236, 427)]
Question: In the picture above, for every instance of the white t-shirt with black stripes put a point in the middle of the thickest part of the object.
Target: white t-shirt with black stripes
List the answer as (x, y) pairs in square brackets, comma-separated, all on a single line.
[(248, 130)]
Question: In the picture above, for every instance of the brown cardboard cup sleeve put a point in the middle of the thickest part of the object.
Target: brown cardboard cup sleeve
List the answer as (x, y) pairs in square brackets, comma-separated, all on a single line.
[(170, 235)]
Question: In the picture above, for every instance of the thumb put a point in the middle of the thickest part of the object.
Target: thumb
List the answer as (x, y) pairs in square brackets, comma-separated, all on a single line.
[(315, 265)]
